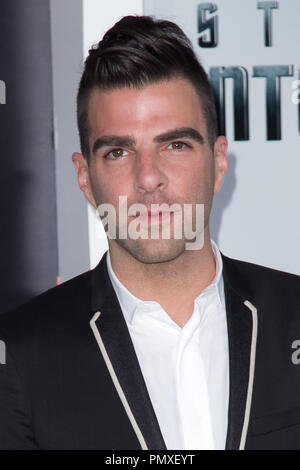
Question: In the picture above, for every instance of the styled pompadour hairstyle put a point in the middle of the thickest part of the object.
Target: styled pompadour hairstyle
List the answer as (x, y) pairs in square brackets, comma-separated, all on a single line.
[(138, 51)]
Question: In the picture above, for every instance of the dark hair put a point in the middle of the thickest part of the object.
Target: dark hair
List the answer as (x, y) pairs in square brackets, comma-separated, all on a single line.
[(137, 51)]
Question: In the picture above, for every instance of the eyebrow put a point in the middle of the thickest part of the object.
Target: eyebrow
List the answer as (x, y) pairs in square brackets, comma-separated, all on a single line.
[(128, 141), (113, 141), (180, 133)]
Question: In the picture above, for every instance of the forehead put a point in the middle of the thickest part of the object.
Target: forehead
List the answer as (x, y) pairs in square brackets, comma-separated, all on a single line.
[(148, 110)]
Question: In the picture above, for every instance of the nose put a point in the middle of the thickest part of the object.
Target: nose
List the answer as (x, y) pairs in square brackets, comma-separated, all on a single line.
[(149, 175)]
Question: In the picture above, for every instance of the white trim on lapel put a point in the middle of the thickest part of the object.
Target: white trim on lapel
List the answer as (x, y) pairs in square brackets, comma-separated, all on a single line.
[(251, 373), (116, 381)]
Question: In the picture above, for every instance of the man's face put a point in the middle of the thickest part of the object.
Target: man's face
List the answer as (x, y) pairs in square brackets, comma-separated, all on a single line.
[(151, 145)]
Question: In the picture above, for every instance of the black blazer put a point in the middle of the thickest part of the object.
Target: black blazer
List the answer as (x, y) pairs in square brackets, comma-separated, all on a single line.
[(72, 379)]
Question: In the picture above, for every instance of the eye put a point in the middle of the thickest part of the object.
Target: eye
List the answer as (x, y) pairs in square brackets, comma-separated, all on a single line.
[(116, 153), (177, 146)]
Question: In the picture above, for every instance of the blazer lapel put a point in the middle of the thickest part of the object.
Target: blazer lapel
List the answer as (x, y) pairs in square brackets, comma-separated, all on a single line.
[(242, 334), (116, 347)]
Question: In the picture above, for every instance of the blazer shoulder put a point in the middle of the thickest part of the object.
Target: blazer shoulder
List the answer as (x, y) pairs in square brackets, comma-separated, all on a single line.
[(53, 306), (250, 278), (245, 267)]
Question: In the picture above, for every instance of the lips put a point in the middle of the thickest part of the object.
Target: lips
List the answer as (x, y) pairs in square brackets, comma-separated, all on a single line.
[(154, 216)]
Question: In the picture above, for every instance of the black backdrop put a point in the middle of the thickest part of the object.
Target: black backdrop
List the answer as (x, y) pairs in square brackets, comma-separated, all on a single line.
[(28, 224)]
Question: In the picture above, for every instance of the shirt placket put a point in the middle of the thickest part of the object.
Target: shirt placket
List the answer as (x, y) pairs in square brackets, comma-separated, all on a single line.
[(192, 390)]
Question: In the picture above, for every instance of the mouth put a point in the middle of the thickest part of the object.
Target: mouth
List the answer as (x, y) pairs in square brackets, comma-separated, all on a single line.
[(154, 217)]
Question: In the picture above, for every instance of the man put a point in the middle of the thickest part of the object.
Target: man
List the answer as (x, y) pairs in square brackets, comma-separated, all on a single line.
[(161, 346)]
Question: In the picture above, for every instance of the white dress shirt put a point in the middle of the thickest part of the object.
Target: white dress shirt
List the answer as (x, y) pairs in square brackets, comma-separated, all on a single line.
[(186, 370)]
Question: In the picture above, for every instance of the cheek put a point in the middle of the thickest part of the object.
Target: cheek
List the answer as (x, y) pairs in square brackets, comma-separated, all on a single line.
[(99, 186), (107, 186), (196, 181)]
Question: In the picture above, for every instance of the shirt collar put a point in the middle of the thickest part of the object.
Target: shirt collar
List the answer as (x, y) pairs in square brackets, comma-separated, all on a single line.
[(129, 302), (217, 283)]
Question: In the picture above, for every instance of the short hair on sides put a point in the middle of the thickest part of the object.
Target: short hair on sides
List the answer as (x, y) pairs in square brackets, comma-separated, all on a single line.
[(138, 51)]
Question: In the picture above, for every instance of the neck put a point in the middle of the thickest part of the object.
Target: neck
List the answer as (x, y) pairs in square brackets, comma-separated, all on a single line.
[(173, 284)]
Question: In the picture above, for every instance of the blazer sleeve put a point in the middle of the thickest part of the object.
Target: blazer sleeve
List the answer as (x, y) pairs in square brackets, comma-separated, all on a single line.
[(15, 427)]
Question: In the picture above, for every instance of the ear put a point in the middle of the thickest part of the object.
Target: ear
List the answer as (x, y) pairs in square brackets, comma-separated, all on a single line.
[(221, 163), (82, 170)]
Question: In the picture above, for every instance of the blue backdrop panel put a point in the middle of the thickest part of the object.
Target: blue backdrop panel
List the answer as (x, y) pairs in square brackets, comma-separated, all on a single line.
[(28, 235)]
